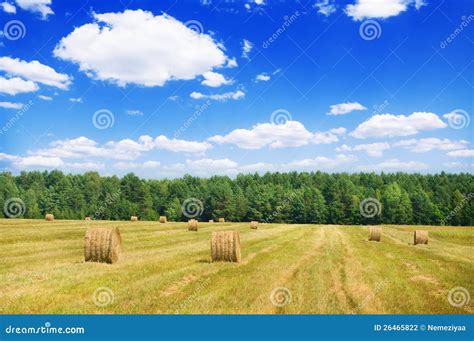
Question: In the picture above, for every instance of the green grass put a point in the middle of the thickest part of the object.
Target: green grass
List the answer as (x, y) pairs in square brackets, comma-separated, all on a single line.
[(166, 269)]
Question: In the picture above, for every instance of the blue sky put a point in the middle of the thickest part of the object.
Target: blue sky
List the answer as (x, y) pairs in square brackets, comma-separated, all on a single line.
[(222, 87)]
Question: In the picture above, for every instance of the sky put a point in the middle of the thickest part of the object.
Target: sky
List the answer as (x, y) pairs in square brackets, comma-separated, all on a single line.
[(167, 88)]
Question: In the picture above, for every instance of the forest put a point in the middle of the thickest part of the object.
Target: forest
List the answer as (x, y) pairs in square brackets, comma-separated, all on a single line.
[(316, 197)]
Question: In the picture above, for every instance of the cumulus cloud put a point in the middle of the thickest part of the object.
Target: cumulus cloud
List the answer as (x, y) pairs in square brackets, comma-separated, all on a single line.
[(372, 149), (432, 143), (214, 79), (10, 105), (8, 7), (16, 85), (247, 46), (365, 9), (393, 165), (289, 134), (325, 7), (263, 77), (152, 49), (34, 71), (388, 125), (462, 153), (234, 95), (45, 98), (36, 6), (345, 108)]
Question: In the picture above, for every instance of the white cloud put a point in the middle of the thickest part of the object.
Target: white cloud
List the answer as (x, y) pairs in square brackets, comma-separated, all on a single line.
[(263, 77), (34, 71), (432, 143), (16, 85), (152, 49), (462, 153), (345, 108), (210, 164), (364, 9), (396, 165), (290, 134), (10, 105), (136, 165), (36, 6), (259, 2), (231, 62), (388, 125), (214, 79), (321, 162), (8, 7), (45, 98), (176, 145), (76, 99), (372, 149), (134, 112), (325, 7), (247, 46), (234, 95)]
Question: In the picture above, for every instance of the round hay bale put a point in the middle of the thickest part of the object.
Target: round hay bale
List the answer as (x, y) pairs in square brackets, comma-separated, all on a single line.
[(49, 217), (87, 218), (211, 221), (375, 233), (221, 220), (254, 225), (103, 245), (192, 225), (163, 219), (420, 237), (225, 246), (133, 218)]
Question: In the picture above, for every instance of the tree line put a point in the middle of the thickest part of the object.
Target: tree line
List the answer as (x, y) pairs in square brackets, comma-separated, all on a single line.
[(316, 197)]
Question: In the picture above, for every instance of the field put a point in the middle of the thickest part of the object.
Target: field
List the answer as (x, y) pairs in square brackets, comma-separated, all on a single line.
[(285, 269)]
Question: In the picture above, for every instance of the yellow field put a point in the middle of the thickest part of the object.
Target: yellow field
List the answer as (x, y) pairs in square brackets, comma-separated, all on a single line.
[(285, 269)]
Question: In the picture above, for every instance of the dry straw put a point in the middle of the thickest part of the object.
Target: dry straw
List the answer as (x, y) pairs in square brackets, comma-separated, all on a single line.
[(87, 218), (211, 221), (221, 220), (375, 233), (192, 225), (225, 246), (133, 218), (102, 245), (420, 237), (49, 217), (254, 224), (163, 219)]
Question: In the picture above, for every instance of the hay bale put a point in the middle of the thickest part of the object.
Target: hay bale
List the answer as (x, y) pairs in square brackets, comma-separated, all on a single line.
[(254, 224), (420, 237), (221, 220), (225, 246), (192, 225), (211, 221), (87, 218), (133, 218), (163, 219), (49, 217), (375, 233), (102, 245)]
